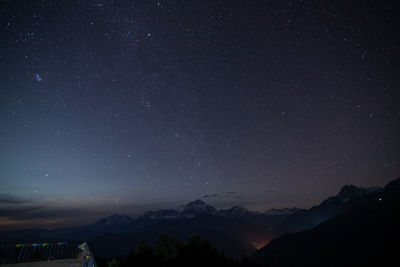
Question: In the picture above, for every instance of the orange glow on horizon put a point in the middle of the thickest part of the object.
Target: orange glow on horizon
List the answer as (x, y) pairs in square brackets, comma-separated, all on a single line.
[(260, 244), (12, 224)]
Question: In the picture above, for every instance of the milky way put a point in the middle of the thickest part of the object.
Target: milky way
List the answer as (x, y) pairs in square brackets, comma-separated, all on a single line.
[(134, 105)]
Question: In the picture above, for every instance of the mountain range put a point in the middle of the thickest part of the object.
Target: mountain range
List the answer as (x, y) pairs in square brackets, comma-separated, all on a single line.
[(238, 231)]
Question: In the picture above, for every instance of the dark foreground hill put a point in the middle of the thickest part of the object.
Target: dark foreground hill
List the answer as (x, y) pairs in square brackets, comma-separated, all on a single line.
[(233, 235), (367, 234), (167, 251)]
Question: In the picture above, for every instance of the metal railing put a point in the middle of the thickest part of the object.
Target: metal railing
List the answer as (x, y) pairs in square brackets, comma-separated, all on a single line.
[(47, 251)]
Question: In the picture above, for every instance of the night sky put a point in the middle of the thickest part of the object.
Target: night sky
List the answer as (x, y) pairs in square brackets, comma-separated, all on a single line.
[(125, 106)]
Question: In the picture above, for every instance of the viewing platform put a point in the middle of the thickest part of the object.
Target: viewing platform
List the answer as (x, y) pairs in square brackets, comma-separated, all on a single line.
[(68, 254)]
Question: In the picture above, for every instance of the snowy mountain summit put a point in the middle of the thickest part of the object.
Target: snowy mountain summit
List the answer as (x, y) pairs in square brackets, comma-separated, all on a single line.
[(198, 207), (347, 194), (351, 191), (237, 212)]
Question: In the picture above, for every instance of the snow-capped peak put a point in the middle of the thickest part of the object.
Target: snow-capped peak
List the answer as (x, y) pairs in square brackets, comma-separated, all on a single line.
[(346, 194), (198, 207), (351, 190), (236, 212)]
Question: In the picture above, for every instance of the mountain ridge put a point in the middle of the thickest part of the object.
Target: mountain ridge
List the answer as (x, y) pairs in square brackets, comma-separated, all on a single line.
[(225, 227), (362, 235)]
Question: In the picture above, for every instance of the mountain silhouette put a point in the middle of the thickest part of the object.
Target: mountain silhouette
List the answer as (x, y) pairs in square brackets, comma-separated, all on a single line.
[(329, 208), (238, 231), (366, 234)]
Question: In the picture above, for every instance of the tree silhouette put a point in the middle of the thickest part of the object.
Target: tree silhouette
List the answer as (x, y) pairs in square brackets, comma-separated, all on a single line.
[(167, 251), (166, 247)]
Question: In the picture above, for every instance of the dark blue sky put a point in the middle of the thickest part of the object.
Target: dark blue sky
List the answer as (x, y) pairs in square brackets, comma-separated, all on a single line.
[(132, 105)]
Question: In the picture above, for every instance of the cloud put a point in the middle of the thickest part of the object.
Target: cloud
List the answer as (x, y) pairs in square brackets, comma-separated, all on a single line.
[(9, 199), (17, 212), (210, 196), (36, 216), (34, 212), (229, 194)]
